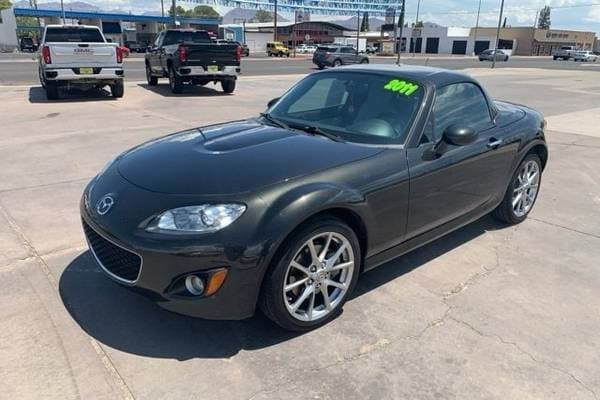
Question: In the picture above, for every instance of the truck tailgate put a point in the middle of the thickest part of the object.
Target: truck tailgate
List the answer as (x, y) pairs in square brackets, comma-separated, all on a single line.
[(83, 54), (211, 54)]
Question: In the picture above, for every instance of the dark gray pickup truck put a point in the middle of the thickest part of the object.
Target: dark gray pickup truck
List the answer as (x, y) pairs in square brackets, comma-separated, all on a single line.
[(190, 56)]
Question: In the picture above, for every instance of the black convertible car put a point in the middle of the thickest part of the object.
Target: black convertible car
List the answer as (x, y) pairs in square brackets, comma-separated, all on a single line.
[(350, 168)]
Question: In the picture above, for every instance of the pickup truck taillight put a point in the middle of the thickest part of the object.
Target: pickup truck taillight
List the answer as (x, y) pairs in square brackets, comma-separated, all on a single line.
[(46, 55), (182, 51), (238, 53), (119, 55)]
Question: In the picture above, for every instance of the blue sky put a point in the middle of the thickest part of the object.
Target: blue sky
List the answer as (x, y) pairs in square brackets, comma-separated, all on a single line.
[(567, 14)]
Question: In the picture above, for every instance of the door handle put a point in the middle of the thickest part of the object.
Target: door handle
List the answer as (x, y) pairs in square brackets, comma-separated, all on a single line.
[(493, 143)]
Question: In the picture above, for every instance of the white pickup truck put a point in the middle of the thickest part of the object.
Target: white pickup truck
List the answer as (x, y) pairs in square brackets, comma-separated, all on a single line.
[(79, 55)]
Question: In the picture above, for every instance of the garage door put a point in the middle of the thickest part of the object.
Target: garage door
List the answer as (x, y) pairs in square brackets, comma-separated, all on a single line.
[(432, 45), (481, 45), (459, 47)]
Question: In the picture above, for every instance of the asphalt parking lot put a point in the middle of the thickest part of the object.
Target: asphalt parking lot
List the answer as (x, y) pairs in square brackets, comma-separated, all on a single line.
[(488, 312)]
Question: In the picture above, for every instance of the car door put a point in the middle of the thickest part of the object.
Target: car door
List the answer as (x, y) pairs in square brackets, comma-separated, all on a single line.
[(154, 54), (449, 181)]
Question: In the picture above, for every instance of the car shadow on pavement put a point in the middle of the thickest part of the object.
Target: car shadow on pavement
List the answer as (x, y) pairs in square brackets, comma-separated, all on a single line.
[(38, 95), (188, 90), (129, 322)]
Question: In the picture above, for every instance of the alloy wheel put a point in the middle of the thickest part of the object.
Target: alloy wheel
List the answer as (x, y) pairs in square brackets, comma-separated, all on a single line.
[(525, 188), (319, 276)]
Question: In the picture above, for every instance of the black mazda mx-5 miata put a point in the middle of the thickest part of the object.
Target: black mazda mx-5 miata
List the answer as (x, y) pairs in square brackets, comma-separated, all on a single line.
[(350, 168)]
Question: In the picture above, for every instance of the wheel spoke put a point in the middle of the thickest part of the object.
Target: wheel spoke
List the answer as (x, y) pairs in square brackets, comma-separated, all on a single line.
[(313, 252), (517, 199), (338, 285), (326, 247), (311, 305), (342, 266), (296, 284), (326, 300), (307, 292), (299, 267), (338, 253)]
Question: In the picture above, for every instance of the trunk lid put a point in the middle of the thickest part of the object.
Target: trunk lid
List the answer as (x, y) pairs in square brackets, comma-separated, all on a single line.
[(83, 54)]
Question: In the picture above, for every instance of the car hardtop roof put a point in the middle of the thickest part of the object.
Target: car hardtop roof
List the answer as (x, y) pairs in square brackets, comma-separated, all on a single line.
[(432, 75)]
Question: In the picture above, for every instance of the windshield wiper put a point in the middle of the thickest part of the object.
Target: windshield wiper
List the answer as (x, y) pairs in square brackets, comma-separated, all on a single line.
[(315, 130), (274, 121)]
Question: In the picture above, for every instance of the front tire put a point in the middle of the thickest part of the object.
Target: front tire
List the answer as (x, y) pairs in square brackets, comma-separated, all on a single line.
[(312, 275), (152, 80), (522, 191), (337, 63)]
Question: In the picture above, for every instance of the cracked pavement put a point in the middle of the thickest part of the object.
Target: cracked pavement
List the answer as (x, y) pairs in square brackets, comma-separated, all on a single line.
[(488, 312)]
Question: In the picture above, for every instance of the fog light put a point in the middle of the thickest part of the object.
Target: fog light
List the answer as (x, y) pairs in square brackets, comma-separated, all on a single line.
[(194, 285)]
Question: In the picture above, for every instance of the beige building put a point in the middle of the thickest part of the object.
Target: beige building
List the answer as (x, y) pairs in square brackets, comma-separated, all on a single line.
[(529, 41)]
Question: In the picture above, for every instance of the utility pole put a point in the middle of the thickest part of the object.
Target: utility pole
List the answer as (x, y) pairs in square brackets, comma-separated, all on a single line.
[(401, 23), (497, 34), (476, 29), (162, 11), (174, 13), (275, 22), (415, 27), (62, 10), (357, 30)]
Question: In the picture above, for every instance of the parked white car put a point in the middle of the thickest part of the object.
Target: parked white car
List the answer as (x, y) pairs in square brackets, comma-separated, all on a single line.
[(584, 56), (72, 55)]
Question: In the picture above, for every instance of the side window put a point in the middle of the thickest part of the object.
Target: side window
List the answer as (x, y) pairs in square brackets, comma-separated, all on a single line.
[(462, 104), (347, 50), (158, 40)]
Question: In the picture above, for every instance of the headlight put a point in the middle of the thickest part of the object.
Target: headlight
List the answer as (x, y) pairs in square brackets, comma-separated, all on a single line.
[(197, 219)]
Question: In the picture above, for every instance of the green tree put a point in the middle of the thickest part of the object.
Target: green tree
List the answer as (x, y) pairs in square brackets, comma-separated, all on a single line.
[(263, 16), (544, 18), (364, 25), (203, 11), (418, 24), (4, 4), (180, 11)]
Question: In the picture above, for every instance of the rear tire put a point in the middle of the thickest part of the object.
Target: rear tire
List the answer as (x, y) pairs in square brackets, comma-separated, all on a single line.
[(51, 90), (508, 211), (175, 82), (118, 89), (364, 61), (337, 63), (321, 66), (276, 302), (228, 86)]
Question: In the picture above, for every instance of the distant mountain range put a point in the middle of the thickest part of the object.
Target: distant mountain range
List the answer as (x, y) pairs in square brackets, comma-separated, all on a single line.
[(237, 15)]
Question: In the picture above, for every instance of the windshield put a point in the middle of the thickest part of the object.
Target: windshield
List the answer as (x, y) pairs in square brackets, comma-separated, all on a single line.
[(358, 107), (77, 35)]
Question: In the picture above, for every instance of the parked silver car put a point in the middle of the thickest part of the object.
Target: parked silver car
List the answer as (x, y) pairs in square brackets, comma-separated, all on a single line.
[(489, 55), (584, 55), (335, 56)]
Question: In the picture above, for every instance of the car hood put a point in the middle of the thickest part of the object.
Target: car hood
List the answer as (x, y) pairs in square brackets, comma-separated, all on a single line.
[(233, 158)]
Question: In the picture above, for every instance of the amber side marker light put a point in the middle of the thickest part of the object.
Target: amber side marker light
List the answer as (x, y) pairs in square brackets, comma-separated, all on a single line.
[(215, 281)]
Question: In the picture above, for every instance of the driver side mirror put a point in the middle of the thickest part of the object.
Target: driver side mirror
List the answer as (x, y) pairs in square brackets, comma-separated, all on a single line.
[(459, 135), (272, 102)]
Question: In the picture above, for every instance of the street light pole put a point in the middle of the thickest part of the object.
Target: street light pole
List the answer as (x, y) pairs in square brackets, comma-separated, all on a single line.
[(275, 22), (357, 30), (401, 23), (413, 30), (476, 28), (174, 13), (62, 10), (497, 34)]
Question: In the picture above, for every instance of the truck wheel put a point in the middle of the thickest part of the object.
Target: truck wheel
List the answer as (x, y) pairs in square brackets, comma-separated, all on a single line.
[(337, 63), (228, 86), (175, 82), (152, 80), (117, 89), (51, 90)]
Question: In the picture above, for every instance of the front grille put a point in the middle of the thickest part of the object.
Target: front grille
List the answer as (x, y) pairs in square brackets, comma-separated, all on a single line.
[(117, 261)]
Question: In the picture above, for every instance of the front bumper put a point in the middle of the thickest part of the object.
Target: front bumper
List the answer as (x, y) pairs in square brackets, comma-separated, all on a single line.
[(165, 261), (69, 74)]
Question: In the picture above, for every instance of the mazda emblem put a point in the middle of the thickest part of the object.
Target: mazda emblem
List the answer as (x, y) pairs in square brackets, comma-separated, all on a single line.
[(105, 204)]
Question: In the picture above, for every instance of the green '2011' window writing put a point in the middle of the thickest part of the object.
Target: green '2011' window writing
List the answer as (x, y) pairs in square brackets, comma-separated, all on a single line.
[(400, 86)]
